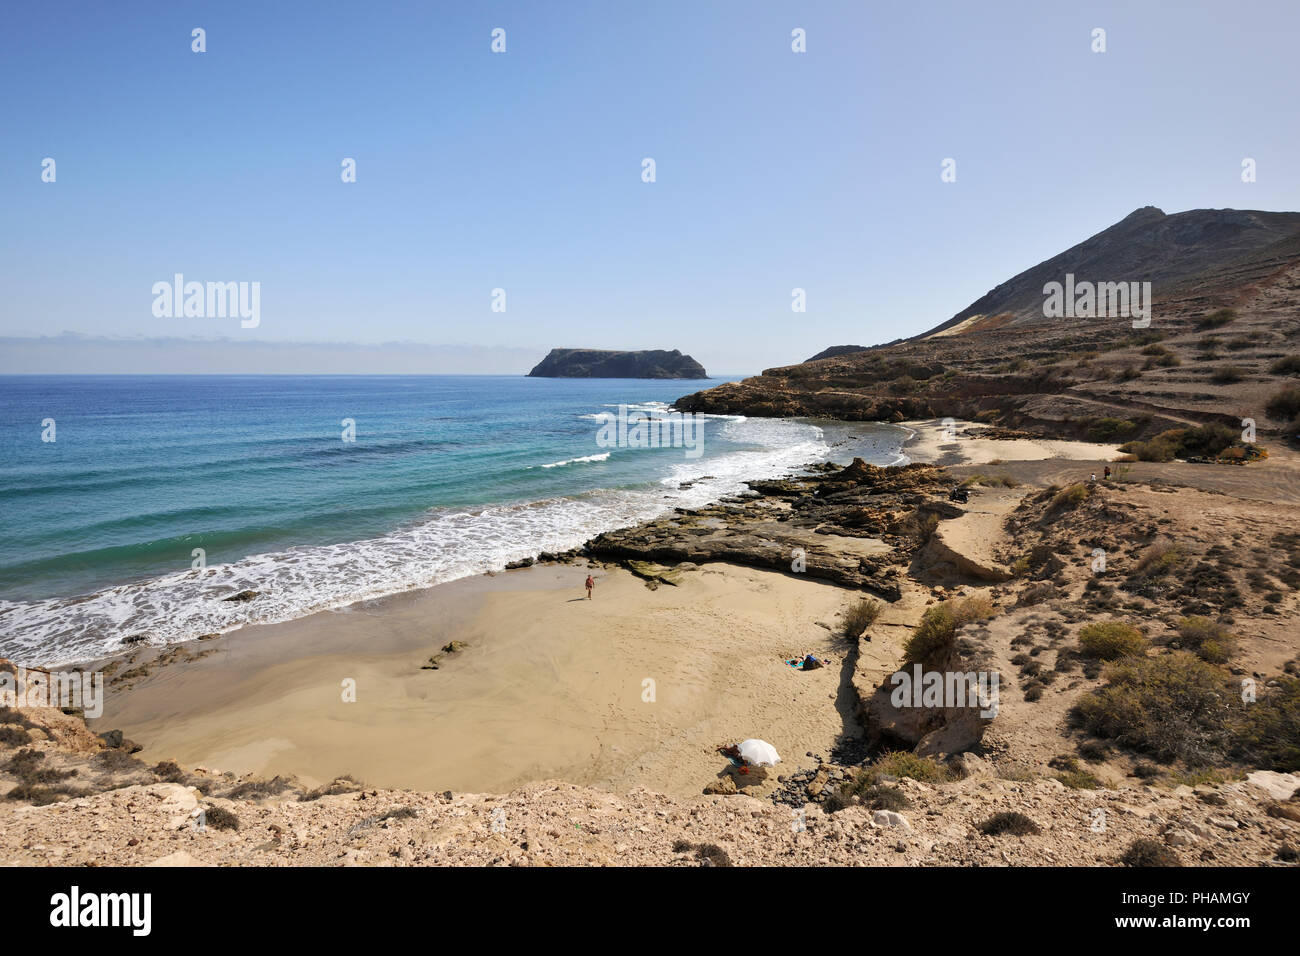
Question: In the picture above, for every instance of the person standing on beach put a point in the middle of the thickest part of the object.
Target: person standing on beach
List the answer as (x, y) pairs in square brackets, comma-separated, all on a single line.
[(591, 584)]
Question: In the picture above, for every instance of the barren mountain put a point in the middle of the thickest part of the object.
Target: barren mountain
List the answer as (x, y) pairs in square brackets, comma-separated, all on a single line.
[(1220, 345), (1145, 246)]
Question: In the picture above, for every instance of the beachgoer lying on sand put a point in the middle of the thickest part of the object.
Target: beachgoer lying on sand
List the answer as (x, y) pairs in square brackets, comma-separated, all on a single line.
[(732, 753)]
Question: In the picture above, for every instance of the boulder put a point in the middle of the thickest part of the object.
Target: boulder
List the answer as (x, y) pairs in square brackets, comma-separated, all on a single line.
[(890, 818)]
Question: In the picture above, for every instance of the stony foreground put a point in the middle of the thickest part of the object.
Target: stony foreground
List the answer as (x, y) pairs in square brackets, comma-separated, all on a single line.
[(554, 824)]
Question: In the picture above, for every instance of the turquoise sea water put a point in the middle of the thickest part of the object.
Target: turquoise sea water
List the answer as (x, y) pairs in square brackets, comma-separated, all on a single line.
[(448, 476)]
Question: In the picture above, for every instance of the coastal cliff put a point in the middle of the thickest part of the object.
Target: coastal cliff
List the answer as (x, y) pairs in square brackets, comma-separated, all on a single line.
[(601, 363)]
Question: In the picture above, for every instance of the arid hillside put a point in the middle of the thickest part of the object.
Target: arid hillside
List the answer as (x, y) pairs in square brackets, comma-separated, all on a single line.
[(1221, 344)]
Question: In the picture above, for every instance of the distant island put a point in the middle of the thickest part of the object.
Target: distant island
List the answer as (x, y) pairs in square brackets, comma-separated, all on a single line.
[(606, 363)]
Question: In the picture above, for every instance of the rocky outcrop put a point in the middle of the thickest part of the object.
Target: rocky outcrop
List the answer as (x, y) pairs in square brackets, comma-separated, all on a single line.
[(599, 363), (923, 730), (856, 526)]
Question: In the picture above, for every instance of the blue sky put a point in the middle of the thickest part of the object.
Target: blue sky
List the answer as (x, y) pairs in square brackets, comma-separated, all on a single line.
[(522, 170)]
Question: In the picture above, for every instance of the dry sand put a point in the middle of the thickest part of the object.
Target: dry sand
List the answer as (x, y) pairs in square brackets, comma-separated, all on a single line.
[(931, 443), (550, 686)]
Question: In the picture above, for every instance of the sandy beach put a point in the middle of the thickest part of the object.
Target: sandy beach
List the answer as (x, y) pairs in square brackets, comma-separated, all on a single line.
[(635, 688), (933, 443), (609, 712), (550, 685)]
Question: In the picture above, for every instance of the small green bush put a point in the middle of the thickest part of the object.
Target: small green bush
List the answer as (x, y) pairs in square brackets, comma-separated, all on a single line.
[(861, 616), (904, 763), (1110, 429), (933, 638), (1068, 498), (1204, 441), (1079, 780), (1159, 559), (1208, 639), (1111, 640)]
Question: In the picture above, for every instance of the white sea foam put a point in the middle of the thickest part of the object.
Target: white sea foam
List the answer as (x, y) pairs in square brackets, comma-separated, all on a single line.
[(443, 545), (574, 461)]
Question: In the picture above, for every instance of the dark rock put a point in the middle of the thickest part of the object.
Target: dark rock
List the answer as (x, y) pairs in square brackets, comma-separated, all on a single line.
[(600, 363)]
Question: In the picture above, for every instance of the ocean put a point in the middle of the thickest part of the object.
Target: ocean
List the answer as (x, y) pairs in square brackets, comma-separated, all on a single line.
[(161, 495)]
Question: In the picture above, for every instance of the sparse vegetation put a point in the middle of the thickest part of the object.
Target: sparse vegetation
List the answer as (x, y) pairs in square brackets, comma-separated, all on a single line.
[(1111, 640), (1146, 852), (1080, 780), (343, 784), (1172, 707), (1159, 559), (709, 854), (1227, 374), (1209, 640), (1269, 732), (933, 638), (1204, 441), (13, 736), (169, 771), (1109, 429), (1069, 498), (219, 818), (117, 761), (1216, 320), (258, 789), (1284, 404), (1008, 822), (1290, 365), (904, 763), (861, 616), (869, 793)]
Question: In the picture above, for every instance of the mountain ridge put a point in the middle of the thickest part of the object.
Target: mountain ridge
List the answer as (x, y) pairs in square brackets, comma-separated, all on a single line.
[(1226, 311)]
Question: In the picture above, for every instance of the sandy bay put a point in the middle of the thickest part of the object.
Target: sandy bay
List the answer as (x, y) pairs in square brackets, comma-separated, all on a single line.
[(550, 685)]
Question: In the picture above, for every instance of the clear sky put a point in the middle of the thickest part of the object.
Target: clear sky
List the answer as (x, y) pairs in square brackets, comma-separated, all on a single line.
[(523, 170)]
